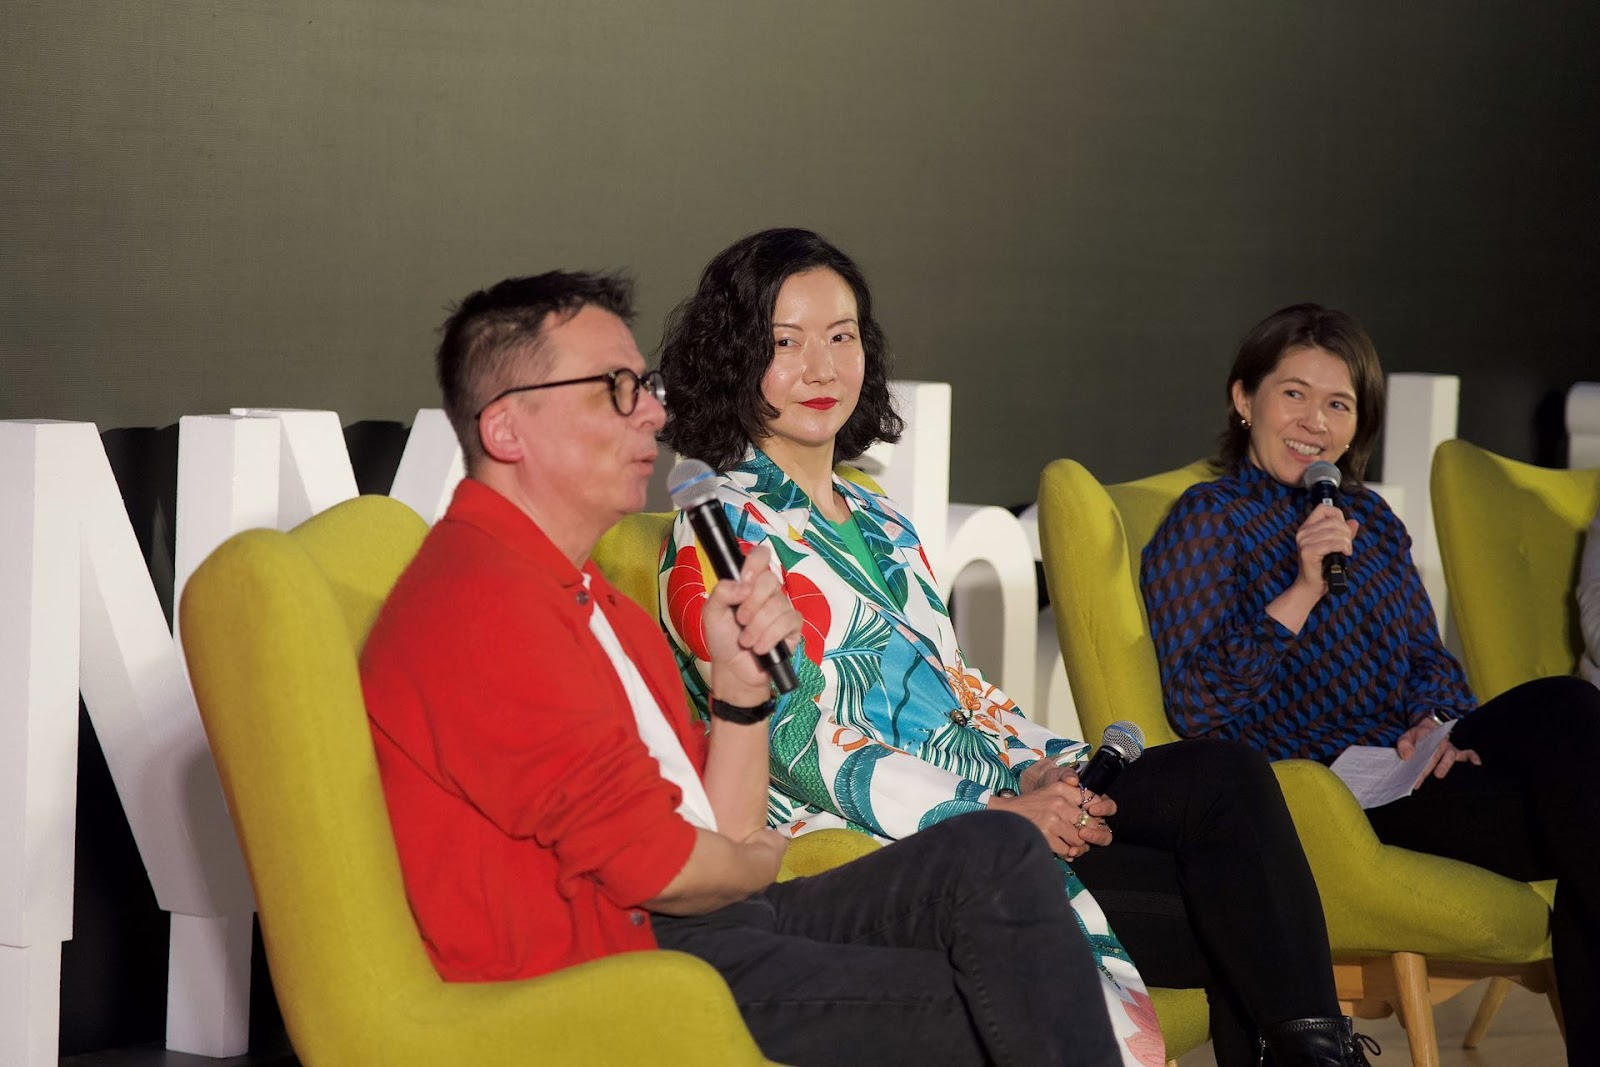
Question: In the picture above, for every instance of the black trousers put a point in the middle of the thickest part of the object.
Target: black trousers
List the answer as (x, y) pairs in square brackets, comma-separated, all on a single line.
[(1207, 886), (954, 946), (1531, 811)]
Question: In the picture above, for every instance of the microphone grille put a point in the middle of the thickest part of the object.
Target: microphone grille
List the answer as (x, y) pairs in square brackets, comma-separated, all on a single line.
[(1319, 472), (691, 483), (1125, 739)]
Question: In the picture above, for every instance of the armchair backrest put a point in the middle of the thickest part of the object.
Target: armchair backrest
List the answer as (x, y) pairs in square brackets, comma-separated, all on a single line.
[(272, 626), (1091, 537), (1510, 536), (629, 555)]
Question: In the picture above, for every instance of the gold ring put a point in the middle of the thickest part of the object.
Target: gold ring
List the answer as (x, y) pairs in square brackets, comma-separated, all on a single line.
[(1083, 819)]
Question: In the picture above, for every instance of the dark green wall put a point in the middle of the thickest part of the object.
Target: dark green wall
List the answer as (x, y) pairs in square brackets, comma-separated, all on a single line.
[(1070, 210)]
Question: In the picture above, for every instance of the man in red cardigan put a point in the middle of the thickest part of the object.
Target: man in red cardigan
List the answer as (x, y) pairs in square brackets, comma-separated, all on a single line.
[(553, 803)]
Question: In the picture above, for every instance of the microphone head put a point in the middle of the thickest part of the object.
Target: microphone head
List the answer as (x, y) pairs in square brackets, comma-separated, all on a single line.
[(1125, 739), (1322, 473), (691, 484)]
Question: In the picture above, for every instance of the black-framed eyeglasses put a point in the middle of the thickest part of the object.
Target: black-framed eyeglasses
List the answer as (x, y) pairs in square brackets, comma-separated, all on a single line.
[(625, 388)]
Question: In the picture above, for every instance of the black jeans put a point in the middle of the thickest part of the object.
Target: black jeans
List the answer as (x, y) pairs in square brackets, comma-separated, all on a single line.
[(1531, 811), (1206, 885), (954, 946)]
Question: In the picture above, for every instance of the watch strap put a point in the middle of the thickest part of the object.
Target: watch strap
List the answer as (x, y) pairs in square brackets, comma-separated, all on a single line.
[(743, 716)]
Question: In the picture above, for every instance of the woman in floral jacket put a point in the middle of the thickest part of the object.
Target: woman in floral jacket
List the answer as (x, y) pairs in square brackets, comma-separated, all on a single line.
[(776, 371)]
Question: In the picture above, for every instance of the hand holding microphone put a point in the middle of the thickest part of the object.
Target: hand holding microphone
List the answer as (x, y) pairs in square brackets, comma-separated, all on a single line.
[(1120, 745), (1070, 808), (1327, 537), (763, 617)]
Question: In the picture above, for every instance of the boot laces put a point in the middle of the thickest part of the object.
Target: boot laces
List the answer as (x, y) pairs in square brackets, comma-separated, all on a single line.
[(1360, 1046)]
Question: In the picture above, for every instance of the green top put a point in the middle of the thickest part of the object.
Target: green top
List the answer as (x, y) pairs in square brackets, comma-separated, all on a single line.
[(850, 534)]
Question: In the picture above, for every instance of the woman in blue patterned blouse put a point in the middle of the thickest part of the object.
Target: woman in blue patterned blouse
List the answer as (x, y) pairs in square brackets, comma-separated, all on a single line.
[(1254, 646), (778, 370)]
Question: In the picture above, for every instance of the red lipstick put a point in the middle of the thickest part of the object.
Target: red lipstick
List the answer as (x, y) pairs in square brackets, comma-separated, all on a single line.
[(821, 403)]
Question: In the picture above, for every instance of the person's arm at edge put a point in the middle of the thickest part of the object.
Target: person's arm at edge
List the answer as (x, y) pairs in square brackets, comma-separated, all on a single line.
[(1588, 597)]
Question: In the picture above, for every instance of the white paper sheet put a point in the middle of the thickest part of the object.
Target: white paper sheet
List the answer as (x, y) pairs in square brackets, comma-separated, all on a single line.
[(1377, 775)]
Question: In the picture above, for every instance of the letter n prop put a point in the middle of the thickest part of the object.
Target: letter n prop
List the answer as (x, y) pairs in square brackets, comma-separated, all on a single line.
[(38, 735)]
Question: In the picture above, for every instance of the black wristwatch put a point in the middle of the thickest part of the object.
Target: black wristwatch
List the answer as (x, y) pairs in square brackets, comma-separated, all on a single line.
[(742, 716)]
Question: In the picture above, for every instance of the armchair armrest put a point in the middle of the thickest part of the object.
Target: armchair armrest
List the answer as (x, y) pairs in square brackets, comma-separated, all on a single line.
[(823, 850), (1371, 895), (637, 1007)]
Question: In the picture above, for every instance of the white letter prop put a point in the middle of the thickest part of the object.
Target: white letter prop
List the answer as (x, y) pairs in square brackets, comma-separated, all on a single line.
[(85, 618), (314, 465), (998, 621), (138, 696), (430, 466), (1583, 425), (1422, 412), (916, 473), (38, 735), (78, 613)]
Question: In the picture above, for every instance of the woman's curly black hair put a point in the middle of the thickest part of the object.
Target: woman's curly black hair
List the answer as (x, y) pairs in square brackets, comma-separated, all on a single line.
[(718, 344)]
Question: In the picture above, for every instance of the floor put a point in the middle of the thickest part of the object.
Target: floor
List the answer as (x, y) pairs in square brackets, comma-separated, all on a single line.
[(279, 1055), (1524, 1034)]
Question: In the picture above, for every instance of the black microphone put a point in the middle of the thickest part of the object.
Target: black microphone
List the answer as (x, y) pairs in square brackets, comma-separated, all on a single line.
[(693, 486), (1323, 479), (1120, 745)]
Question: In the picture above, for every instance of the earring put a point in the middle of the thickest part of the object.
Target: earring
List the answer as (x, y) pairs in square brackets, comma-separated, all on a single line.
[(1244, 422)]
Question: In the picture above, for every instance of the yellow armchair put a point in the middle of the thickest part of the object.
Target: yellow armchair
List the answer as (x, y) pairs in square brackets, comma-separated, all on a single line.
[(1511, 536), (272, 625), (629, 555), (1407, 930)]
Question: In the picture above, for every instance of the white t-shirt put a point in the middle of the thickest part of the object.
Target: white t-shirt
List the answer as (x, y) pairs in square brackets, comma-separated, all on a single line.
[(654, 730)]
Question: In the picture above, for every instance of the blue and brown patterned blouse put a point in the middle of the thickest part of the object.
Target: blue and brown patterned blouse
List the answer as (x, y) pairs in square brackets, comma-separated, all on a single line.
[(1367, 664)]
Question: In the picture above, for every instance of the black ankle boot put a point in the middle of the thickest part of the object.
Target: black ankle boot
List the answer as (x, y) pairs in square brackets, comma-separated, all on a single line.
[(1328, 1042)]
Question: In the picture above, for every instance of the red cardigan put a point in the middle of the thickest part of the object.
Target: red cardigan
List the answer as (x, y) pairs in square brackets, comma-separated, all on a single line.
[(530, 820)]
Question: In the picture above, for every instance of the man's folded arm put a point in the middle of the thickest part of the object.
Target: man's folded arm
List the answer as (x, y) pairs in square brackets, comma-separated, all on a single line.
[(721, 871)]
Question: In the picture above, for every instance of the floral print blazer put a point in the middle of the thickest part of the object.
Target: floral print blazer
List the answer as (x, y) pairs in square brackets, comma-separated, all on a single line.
[(889, 730)]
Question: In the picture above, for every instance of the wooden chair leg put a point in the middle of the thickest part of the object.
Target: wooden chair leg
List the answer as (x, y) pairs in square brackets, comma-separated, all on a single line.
[(1555, 1002), (1416, 1012), (1493, 997)]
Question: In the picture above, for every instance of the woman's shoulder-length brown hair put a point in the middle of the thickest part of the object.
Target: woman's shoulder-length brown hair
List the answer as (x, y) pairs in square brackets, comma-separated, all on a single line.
[(1307, 326)]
